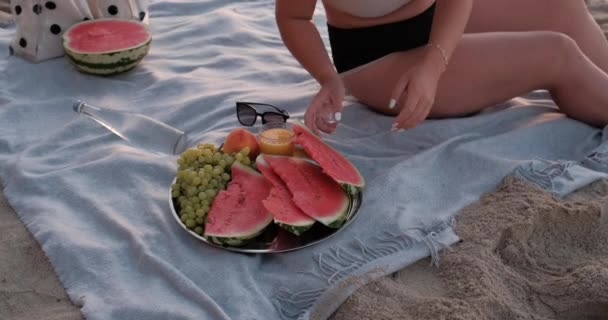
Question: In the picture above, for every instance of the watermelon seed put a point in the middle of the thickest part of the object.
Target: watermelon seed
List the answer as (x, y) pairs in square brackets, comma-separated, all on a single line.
[(50, 5), (113, 10), (86, 19), (18, 10), (55, 29), (142, 16), (37, 9), (23, 43), (11, 50)]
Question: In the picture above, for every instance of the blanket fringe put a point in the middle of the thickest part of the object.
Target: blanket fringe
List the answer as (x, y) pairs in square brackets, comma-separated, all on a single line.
[(338, 263), (544, 172), (597, 161)]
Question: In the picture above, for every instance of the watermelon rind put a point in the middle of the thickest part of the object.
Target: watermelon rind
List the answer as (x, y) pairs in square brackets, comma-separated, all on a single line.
[(351, 186), (333, 220), (291, 228), (106, 63), (233, 241), (297, 227), (337, 220)]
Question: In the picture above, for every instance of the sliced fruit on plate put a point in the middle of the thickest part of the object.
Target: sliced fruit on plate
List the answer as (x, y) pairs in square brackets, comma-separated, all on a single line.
[(279, 202), (334, 164), (318, 195), (237, 213)]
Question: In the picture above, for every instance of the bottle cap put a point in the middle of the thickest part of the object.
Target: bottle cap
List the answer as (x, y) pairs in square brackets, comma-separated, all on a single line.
[(78, 106)]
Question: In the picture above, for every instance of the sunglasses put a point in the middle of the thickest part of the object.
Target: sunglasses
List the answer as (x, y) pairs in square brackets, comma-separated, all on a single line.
[(247, 113)]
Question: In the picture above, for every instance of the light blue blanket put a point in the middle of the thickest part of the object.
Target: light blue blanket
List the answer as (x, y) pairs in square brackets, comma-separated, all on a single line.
[(99, 207)]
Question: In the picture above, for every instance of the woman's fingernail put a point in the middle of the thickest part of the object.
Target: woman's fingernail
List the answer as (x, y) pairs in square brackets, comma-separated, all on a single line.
[(392, 104), (394, 127), (331, 118), (338, 116)]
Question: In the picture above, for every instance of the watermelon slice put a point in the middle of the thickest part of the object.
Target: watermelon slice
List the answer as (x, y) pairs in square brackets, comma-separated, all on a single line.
[(286, 214), (334, 164), (318, 195), (106, 46), (237, 213)]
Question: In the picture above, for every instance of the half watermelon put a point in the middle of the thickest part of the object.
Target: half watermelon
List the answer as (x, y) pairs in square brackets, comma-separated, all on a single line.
[(279, 202), (318, 195), (106, 46), (237, 213), (334, 164)]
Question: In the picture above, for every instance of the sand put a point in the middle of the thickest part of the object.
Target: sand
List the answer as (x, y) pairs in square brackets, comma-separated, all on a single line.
[(29, 288), (524, 255)]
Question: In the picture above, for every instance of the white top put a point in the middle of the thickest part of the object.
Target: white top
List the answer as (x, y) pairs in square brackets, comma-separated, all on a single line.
[(367, 8)]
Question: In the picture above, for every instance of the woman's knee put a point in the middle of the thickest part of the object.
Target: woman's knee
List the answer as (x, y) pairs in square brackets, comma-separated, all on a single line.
[(560, 40), (559, 46)]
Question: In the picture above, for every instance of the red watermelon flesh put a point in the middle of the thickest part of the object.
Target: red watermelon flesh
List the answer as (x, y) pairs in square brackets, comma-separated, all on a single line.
[(279, 202), (237, 214), (334, 164), (318, 195), (97, 36)]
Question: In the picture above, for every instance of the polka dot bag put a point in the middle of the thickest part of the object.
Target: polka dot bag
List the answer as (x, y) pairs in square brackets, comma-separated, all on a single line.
[(40, 23)]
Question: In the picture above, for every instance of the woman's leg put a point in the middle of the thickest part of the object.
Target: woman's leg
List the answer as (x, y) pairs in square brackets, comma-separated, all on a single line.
[(489, 68), (566, 16)]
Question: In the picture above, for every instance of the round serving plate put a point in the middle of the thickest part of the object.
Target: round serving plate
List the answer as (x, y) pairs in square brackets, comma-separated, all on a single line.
[(275, 239)]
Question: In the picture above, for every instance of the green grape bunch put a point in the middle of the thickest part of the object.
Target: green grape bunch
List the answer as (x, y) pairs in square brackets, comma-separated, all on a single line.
[(202, 173)]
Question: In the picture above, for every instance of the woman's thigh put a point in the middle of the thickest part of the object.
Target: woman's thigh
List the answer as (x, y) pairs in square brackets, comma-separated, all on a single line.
[(524, 15), (566, 16), (485, 69)]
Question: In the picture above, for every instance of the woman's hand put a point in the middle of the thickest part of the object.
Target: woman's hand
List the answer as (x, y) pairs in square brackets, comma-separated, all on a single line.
[(325, 109), (414, 93)]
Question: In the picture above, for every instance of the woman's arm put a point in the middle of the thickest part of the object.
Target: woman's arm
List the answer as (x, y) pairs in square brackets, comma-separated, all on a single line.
[(302, 39), (415, 91), (449, 23)]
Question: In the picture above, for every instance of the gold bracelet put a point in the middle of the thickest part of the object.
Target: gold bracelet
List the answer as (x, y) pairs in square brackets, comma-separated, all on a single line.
[(441, 51)]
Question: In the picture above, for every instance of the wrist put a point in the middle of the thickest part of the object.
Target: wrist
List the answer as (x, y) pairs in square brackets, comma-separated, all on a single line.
[(435, 57), (329, 77)]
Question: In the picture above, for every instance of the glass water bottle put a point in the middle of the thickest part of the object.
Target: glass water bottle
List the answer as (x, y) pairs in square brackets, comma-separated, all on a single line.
[(138, 130)]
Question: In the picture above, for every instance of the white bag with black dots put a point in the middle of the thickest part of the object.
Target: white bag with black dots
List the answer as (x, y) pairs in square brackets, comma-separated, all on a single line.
[(40, 25), (122, 9)]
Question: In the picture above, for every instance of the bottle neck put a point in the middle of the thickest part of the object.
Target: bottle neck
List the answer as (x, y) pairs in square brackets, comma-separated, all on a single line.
[(81, 106)]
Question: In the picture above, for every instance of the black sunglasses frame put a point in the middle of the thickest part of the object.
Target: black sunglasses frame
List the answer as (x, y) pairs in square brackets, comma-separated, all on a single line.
[(282, 113)]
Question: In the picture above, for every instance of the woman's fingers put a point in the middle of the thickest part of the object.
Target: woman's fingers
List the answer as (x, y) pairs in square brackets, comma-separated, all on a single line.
[(420, 112), (407, 111), (419, 116), (310, 119), (320, 118), (398, 91), (327, 118)]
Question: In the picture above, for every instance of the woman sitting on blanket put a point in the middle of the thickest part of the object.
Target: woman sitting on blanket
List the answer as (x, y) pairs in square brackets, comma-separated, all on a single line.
[(440, 58)]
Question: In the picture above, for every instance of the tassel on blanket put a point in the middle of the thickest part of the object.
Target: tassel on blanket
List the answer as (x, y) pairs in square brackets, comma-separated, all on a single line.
[(336, 264), (597, 161), (543, 172)]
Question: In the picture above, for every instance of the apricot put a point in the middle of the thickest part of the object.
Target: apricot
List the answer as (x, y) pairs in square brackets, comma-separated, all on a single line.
[(240, 138)]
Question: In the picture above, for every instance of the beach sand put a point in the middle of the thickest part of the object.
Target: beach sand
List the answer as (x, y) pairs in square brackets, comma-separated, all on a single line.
[(29, 288), (524, 255)]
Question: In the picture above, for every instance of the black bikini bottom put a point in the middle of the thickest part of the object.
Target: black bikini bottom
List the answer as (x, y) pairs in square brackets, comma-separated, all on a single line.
[(357, 46)]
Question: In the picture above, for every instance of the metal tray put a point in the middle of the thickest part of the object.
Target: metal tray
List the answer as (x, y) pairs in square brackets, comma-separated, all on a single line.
[(275, 239)]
